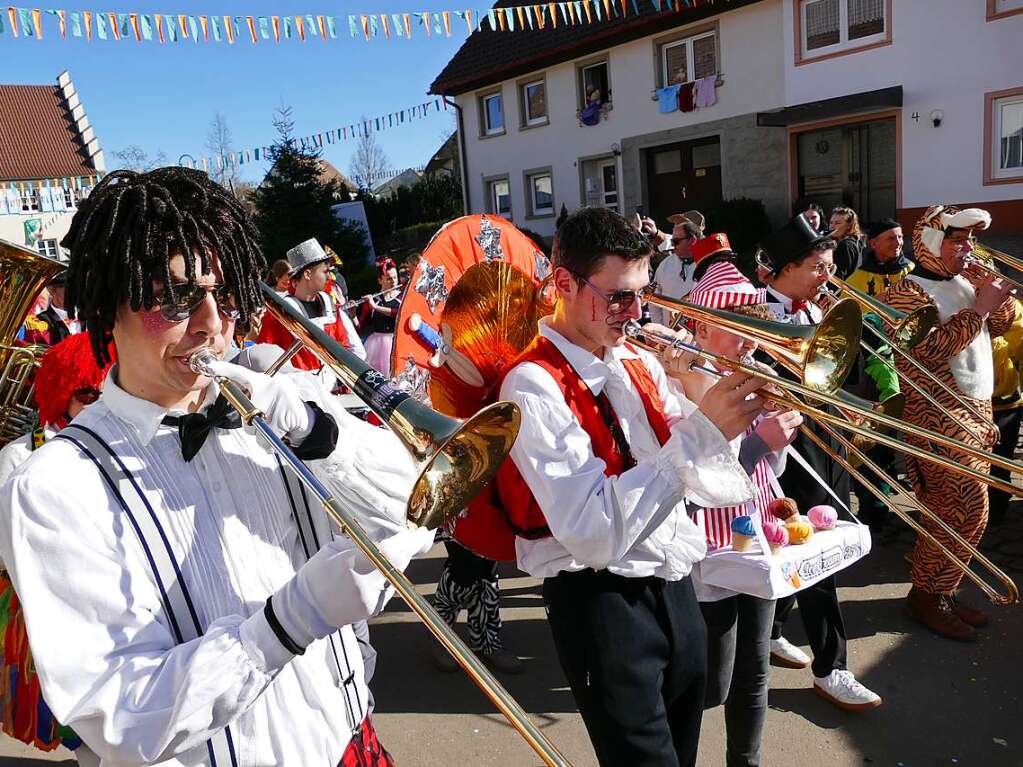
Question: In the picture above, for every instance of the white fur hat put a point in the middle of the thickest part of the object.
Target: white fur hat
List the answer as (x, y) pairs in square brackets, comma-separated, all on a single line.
[(968, 218)]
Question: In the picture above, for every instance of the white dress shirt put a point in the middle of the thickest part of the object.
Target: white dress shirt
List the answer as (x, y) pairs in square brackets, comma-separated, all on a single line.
[(675, 280), (73, 325), (781, 310), (17, 451), (634, 524), (103, 646)]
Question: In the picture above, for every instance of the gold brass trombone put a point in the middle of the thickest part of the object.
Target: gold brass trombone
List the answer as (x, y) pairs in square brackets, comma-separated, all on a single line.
[(844, 349), (984, 257), (657, 341), (823, 354), (906, 331), (456, 460)]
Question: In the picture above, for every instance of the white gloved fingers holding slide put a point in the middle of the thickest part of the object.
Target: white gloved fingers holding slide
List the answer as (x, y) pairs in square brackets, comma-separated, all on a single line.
[(277, 397)]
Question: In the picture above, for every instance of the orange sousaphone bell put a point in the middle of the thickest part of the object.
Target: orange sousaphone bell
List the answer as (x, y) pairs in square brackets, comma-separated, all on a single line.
[(471, 308)]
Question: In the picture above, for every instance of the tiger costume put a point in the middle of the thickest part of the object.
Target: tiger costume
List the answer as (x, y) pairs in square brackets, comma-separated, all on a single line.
[(958, 351)]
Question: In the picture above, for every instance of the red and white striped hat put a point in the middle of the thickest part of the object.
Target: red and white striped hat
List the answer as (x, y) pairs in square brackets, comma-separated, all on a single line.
[(723, 286)]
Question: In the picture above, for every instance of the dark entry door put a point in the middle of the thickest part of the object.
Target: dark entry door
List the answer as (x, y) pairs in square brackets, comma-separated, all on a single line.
[(684, 176), (853, 165)]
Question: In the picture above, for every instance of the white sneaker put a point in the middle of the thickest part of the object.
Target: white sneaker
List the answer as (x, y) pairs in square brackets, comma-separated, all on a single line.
[(841, 688), (787, 654)]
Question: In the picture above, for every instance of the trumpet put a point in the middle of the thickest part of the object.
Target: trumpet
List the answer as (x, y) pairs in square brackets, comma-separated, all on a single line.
[(456, 458), (657, 341)]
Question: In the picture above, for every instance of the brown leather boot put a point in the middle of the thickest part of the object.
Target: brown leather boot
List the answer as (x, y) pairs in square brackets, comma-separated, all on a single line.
[(971, 616), (935, 612)]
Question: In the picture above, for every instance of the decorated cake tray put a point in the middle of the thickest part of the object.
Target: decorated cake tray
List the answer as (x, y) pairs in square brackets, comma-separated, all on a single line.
[(792, 568)]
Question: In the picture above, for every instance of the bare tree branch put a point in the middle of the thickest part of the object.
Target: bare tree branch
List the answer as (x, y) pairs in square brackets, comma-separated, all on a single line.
[(369, 163)]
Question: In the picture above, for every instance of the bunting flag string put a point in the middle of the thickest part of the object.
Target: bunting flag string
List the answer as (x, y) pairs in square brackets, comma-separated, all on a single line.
[(35, 23), (320, 139)]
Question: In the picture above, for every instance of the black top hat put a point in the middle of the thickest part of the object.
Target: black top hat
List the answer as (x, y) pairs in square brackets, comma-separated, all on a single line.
[(790, 243)]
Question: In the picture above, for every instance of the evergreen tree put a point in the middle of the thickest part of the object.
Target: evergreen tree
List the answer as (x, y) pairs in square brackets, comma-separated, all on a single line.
[(294, 202)]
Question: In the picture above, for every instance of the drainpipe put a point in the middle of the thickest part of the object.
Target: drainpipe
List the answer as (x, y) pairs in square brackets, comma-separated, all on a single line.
[(463, 168)]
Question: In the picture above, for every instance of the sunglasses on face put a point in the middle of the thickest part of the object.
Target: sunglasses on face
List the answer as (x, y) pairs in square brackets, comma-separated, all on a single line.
[(86, 396), (619, 301), (189, 298)]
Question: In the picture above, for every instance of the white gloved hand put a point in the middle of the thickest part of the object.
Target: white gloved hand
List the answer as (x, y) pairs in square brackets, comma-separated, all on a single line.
[(340, 586), (277, 397)]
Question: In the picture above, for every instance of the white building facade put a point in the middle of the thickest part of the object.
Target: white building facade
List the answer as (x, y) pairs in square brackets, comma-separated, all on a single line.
[(49, 160), (883, 105)]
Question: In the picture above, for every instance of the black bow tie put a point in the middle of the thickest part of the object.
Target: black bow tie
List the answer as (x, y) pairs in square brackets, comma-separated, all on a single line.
[(194, 428)]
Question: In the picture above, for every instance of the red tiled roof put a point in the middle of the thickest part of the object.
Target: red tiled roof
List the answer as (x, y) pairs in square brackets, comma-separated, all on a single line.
[(38, 139), (488, 57)]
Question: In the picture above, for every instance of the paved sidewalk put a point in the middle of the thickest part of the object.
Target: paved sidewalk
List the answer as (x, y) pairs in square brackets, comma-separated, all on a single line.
[(945, 703)]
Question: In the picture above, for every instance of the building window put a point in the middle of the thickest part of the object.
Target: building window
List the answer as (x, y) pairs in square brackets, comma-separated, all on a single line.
[(594, 84), (689, 59), (69, 197), (29, 199), (491, 114), (836, 26), (1004, 120), (48, 248), (534, 103), (997, 9), (539, 193), (499, 197)]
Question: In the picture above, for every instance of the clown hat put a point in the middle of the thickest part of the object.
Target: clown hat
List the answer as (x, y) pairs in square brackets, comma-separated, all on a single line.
[(724, 286), (711, 245)]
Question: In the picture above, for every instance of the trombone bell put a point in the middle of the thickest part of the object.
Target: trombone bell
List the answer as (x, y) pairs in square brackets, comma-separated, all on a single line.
[(907, 329), (455, 459), (824, 353)]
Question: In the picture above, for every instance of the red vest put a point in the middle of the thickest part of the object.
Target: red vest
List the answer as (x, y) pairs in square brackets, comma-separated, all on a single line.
[(273, 332), (507, 508)]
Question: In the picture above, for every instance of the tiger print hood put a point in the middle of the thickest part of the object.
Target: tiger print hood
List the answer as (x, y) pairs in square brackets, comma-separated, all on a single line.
[(929, 233)]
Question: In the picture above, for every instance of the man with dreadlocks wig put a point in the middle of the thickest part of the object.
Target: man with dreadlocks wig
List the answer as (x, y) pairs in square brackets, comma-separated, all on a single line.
[(973, 307), (210, 607)]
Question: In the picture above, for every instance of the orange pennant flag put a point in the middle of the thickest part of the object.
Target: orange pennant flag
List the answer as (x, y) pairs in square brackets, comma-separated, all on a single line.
[(408, 25), (387, 27), (538, 12), (586, 7), (607, 9), (571, 15), (183, 25), (500, 20), (522, 17), (63, 23), (554, 14), (251, 22), (276, 22), (229, 29), (624, 12), (300, 26), (365, 25), (87, 16), (322, 24), (37, 22), (205, 29), (468, 23), (158, 18), (446, 15), (12, 15), (113, 26), (135, 26)]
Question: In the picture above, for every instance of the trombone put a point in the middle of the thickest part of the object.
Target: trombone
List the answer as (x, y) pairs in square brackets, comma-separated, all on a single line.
[(657, 341), (908, 330), (456, 459), (840, 349), (983, 257)]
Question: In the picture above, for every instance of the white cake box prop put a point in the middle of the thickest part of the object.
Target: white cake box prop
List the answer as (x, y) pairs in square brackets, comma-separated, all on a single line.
[(760, 573)]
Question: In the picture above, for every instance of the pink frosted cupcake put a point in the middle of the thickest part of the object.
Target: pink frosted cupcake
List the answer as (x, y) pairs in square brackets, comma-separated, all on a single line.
[(822, 517), (776, 534)]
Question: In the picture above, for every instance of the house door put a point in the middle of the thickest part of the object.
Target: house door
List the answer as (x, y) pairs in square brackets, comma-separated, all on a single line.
[(684, 176), (852, 165)]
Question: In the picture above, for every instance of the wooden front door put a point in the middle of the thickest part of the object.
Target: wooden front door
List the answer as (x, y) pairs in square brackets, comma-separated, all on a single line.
[(681, 177)]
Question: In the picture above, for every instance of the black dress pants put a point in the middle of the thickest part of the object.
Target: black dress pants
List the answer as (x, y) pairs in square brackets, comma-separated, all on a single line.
[(634, 651), (822, 619)]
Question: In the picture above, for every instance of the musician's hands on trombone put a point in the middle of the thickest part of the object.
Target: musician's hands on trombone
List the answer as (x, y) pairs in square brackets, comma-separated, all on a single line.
[(779, 428), (729, 406), (278, 398), (991, 291)]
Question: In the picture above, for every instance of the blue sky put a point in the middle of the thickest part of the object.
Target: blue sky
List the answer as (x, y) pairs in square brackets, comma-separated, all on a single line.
[(163, 97)]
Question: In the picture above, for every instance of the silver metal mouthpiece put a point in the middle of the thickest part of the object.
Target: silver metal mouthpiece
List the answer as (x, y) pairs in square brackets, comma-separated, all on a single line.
[(200, 362)]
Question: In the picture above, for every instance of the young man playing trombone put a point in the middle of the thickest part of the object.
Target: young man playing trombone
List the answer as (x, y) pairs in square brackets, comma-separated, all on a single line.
[(973, 305), (184, 606), (800, 261), (605, 457)]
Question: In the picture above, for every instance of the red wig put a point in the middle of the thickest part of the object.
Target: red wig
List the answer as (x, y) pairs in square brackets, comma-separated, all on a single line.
[(66, 368)]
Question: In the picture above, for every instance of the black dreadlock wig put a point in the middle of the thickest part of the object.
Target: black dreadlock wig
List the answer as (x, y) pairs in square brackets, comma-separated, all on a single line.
[(125, 233)]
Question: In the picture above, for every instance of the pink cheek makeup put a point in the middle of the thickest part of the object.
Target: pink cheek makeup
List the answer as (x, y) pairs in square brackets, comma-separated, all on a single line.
[(153, 322)]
